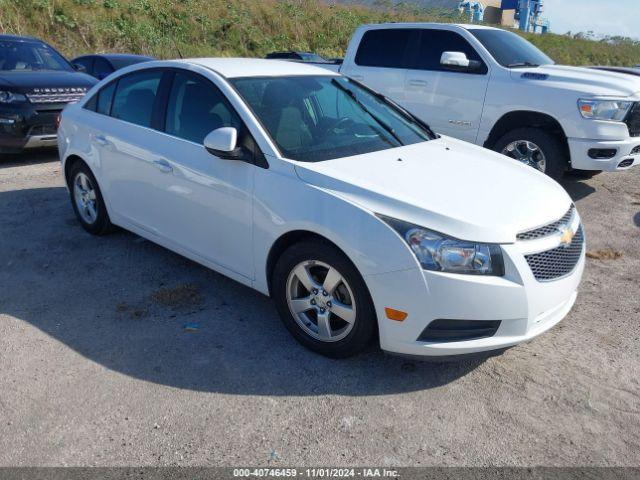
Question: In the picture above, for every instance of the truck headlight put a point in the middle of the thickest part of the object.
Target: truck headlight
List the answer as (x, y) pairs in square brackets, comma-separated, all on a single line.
[(613, 110), (438, 252), (11, 97)]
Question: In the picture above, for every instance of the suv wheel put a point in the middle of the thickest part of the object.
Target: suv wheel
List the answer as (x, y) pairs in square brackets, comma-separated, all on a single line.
[(322, 300), (535, 147), (87, 201)]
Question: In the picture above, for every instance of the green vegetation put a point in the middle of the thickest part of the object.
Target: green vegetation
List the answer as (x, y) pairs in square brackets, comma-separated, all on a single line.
[(170, 28)]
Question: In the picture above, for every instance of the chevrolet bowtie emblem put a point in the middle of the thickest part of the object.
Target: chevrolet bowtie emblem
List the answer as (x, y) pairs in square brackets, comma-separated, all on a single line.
[(566, 236)]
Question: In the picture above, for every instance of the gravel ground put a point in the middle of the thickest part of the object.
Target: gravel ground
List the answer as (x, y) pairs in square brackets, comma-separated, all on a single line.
[(115, 351)]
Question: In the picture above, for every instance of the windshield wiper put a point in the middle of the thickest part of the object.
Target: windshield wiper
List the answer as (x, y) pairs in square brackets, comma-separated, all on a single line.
[(378, 120), (522, 64)]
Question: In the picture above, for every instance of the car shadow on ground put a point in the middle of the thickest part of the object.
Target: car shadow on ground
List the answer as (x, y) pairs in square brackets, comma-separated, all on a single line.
[(34, 157), (576, 187), (143, 311)]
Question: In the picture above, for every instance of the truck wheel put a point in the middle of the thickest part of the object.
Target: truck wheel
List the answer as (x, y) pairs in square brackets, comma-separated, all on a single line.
[(87, 201), (535, 147), (323, 300)]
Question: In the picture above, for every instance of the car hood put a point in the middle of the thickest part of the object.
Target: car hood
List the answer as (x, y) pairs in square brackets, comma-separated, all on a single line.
[(26, 81), (446, 185), (586, 81)]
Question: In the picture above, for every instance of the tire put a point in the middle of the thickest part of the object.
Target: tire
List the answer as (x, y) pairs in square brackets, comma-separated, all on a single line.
[(555, 157), (83, 184), (311, 261)]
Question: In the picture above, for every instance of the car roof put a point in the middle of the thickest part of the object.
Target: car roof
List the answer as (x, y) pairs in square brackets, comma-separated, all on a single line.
[(122, 56), (24, 38), (466, 26), (256, 67)]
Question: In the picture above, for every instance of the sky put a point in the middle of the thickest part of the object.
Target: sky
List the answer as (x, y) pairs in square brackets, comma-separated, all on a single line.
[(607, 17)]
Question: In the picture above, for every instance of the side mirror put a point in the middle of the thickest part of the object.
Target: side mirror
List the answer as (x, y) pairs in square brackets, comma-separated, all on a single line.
[(455, 59), (79, 68), (222, 143)]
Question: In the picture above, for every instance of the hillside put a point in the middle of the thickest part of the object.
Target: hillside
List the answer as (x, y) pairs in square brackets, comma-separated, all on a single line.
[(170, 28)]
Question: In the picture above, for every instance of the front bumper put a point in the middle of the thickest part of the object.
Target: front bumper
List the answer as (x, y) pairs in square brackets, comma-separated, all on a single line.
[(25, 126), (624, 152), (525, 306)]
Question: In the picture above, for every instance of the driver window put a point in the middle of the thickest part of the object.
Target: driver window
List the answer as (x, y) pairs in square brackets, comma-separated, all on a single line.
[(196, 107)]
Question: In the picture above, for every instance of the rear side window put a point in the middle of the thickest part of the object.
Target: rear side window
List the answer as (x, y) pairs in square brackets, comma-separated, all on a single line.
[(135, 97), (384, 48), (101, 101), (433, 43), (196, 107), (105, 98)]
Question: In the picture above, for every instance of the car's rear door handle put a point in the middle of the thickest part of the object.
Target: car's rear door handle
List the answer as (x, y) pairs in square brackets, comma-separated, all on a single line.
[(101, 140), (163, 165), (415, 82)]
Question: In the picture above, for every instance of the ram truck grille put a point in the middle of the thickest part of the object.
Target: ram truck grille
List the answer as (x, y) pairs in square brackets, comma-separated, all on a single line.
[(550, 229), (558, 262), (633, 120)]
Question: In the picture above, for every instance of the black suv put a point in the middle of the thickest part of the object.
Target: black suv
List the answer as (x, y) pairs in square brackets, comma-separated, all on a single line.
[(36, 83)]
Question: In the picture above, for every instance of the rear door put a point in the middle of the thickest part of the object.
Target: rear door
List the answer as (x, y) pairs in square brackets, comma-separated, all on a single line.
[(451, 102), (132, 167), (381, 59)]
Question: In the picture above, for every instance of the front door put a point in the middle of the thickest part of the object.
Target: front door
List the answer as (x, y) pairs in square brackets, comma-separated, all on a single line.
[(451, 102)]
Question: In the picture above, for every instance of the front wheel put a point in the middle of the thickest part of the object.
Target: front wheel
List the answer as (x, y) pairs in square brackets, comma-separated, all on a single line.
[(536, 148), (322, 300)]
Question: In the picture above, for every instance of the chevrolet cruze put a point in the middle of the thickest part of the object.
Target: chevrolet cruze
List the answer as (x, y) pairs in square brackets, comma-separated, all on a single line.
[(357, 219)]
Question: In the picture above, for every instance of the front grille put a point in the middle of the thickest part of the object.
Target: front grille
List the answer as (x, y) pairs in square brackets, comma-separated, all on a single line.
[(549, 229), (41, 98), (443, 330), (557, 263), (633, 120)]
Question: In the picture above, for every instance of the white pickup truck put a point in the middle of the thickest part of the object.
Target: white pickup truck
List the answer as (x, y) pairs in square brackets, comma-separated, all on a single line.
[(491, 87)]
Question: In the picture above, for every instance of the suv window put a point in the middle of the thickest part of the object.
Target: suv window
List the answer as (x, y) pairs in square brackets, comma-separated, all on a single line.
[(196, 107), (135, 97), (433, 43), (384, 48)]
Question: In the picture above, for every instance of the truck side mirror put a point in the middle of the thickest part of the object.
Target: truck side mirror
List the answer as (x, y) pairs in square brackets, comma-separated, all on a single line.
[(455, 59)]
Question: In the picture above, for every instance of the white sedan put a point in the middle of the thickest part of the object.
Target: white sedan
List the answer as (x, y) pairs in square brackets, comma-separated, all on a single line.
[(349, 212)]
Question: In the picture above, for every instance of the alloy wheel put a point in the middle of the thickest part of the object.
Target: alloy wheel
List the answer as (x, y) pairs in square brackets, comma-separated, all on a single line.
[(321, 301), (528, 153), (84, 194)]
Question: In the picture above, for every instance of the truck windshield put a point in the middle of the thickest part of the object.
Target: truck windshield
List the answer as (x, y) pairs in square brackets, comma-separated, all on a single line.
[(315, 118), (29, 56), (509, 49)]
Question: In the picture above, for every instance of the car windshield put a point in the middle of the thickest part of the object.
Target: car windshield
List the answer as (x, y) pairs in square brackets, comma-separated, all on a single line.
[(315, 118), (29, 56), (511, 50)]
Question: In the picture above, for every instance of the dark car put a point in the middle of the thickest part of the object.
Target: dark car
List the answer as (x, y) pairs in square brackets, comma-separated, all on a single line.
[(627, 70), (305, 57), (103, 65), (36, 83)]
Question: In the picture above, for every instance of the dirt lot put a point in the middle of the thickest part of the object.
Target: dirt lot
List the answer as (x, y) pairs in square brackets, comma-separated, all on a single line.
[(115, 351)]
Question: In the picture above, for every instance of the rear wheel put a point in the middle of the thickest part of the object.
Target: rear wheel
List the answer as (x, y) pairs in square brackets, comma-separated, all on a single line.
[(87, 201), (322, 300), (536, 148)]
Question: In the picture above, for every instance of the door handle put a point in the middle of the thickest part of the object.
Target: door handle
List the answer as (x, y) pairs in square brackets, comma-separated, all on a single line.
[(163, 166), (101, 140), (414, 82)]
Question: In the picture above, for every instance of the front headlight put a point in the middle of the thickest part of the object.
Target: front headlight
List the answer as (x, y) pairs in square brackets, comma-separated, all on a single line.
[(438, 252), (11, 97), (614, 110)]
